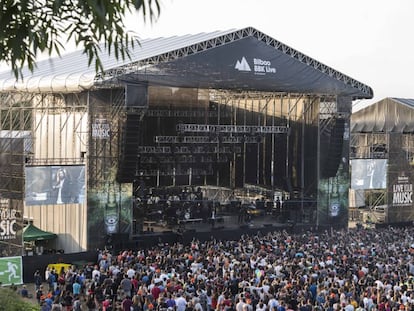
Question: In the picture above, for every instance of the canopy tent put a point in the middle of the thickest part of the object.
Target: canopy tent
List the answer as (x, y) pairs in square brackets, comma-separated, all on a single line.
[(33, 233), (235, 59)]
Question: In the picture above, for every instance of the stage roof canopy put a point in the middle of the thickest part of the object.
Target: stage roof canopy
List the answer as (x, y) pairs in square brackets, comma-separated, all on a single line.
[(244, 59), (388, 115)]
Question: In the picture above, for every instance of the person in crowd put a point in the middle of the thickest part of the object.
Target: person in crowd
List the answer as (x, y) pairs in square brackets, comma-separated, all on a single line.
[(37, 279), (354, 269), (91, 304), (24, 292)]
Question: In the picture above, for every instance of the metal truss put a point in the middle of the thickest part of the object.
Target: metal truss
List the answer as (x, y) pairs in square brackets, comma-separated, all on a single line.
[(38, 115), (112, 74), (362, 145), (15, 144)]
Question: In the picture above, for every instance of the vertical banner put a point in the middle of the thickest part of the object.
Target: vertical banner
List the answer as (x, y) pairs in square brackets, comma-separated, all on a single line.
[(333, 187), (333, 198), (11, 219), (109, 202), (11, 271), (8, 221), (110, 211), (400, 182)]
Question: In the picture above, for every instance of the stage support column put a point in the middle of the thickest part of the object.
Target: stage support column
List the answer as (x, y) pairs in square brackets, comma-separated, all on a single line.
[(272, 164), (302, 159), (287, 143), (233, 165), (244, 143)]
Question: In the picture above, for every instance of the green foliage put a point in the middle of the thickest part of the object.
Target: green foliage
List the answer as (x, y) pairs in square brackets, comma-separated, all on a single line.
[(29, 27), (11, 301)]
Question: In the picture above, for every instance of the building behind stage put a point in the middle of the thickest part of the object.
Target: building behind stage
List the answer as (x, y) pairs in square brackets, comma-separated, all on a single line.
[(382, 149)]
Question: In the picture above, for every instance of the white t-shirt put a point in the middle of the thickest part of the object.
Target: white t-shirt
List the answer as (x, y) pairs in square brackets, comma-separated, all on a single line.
[(181, 303)]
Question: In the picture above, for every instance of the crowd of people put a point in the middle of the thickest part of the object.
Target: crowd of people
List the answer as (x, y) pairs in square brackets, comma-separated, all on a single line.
[(349, 269)]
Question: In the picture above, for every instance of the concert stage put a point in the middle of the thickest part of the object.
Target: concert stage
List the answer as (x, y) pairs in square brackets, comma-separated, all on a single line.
[(229, 222), (235, 109)]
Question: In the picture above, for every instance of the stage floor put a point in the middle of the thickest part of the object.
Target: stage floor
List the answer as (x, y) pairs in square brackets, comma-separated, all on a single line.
[(225, 227), (224, 221)]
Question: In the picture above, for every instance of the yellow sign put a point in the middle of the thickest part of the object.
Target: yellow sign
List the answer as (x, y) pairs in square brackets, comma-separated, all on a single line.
[(59, 267)]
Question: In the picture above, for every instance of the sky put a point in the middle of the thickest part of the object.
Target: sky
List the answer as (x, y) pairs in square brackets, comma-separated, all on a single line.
[(368, 40)]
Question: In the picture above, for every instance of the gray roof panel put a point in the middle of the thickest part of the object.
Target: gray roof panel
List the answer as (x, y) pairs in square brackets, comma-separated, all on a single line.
[(406, 101)]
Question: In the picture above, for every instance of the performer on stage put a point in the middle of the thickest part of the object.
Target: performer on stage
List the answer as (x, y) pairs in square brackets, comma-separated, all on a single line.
[(62, 188)]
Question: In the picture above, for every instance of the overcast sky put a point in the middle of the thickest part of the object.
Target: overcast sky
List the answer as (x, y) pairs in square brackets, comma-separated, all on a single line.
[(369, 40)]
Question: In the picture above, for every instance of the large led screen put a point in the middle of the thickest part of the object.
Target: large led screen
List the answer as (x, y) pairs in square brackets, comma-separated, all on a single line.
[(55, 184), (369, 174)]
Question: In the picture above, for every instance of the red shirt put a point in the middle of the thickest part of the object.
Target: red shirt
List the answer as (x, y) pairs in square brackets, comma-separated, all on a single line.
[(134, 282), (105, 304), (126, 304), (155, 291)]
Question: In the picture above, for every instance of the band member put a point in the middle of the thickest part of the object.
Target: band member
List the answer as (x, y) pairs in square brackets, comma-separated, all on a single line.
[(62, 188)]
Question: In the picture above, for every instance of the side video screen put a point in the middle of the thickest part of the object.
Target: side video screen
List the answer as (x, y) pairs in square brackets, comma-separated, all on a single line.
[(55, 184), (369, 174)]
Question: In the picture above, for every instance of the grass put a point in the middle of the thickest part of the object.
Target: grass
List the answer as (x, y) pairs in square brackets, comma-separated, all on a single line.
[(11, 301)]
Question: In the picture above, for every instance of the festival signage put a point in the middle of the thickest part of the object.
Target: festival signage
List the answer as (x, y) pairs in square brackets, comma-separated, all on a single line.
[(11, 238), (11, 271), (259, 66), (101, 129), (400, 181), (402, 192), (109, 202), (8, 221)]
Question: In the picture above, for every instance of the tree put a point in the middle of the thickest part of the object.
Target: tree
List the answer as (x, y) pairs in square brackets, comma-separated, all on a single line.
[(30, 27)]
